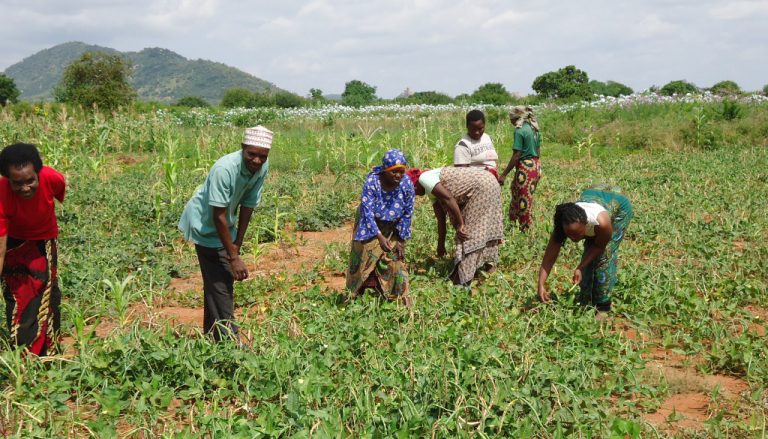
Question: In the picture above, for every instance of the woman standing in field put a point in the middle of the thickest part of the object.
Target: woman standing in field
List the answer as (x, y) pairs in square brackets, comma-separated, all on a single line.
[(382, 225), (476, 148), (28, 252), (525, 161), (600, 217), (471, 197)]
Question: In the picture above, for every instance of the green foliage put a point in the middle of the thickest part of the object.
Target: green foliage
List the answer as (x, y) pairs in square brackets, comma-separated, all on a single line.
[(96, 79), (458, 363), (568, 82), (8, 90), (492, 93), (730, 110), (285, 99), (679, 87), (158, 75), (427, 98), (765, 90), (192, 102), (726, 88), (610, 88), (357, 94), (316, 96), (238, 98)]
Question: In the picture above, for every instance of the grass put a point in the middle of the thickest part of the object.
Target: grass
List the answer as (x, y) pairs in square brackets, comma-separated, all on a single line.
[(490, 363)]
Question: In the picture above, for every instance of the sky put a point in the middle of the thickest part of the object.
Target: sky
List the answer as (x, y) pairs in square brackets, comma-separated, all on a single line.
[(451, 47)]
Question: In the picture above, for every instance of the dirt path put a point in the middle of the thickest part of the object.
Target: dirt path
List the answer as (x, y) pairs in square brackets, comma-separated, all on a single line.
[(693, 397)]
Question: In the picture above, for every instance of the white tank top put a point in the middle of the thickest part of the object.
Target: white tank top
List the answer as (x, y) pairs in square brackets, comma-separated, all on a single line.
[(592, 210)]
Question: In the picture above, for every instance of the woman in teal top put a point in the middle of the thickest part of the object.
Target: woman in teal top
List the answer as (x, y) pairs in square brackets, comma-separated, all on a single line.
[(525, 160)]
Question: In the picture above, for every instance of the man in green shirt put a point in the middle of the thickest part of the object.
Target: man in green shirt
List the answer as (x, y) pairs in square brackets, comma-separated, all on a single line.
[(235, 181), (525, 160)]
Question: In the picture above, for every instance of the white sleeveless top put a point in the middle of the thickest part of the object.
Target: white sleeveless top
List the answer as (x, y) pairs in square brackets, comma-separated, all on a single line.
[(592, 210)]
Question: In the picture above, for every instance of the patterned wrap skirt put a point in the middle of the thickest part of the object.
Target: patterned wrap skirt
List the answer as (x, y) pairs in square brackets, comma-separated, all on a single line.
[(479, 197), (371, 267), (527, 176), (599, 278), (32, 295)]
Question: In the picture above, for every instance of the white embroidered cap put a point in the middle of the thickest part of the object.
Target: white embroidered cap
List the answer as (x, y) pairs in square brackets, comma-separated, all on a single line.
[(258, 136)]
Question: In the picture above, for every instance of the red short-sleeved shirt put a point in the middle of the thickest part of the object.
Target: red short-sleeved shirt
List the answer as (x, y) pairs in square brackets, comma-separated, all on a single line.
[(33, 219)]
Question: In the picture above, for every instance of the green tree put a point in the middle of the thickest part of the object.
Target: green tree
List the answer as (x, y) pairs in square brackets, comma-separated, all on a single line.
[(765, 90), (238, 97), (192, 102), (610, 88), (427, 98), (492, 93), (315, 94), (96, 78), (726, 88), (565, 83), (358, 93), (679, 87), (8, 90), (286, 99)]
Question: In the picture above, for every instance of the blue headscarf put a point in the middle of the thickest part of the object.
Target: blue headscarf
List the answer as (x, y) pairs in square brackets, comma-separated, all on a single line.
[(393, 157)]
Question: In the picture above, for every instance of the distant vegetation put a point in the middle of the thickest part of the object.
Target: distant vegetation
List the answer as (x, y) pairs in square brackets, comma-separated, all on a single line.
[(158, 74), (162, 77)]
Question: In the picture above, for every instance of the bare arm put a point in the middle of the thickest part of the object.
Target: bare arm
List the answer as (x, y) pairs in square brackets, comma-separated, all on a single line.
[(603, 233), (510, 166), (440, 216), (451, 207), (239, 271), (244, 218), (550, 256)]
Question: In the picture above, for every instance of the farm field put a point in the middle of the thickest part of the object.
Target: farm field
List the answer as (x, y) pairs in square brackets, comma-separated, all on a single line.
[(684, 354)]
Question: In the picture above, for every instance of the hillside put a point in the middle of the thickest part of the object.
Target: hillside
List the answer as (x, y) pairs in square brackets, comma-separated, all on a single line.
[(158, 74)]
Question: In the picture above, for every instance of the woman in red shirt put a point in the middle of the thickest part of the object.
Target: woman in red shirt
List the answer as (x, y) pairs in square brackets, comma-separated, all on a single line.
[(28, 232)]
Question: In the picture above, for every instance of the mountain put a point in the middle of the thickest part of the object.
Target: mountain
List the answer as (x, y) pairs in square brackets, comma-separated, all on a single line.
[(158, 74)]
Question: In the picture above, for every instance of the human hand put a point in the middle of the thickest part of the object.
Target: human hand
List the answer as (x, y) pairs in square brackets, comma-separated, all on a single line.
[(441, 250), (576, 276), (501, 179), (400, 250), (544, 294), (238, 268), (462, 233), (384, 243)]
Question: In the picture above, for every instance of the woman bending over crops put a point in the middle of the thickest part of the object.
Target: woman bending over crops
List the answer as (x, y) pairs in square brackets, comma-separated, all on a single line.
[(525, 162), (382, 225), (476, 148), (28, 232), (471, 197), (600, 218)]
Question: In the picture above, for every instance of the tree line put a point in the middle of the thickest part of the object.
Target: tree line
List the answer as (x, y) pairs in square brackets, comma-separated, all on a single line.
[(102, 80)]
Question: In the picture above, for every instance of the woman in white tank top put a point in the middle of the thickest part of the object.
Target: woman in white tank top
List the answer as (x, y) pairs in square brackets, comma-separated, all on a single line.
[(600, 218)]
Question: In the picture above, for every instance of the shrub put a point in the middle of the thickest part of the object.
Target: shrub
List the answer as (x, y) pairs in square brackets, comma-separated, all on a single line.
[(492, 93), (726, 88), (192, 102), (679, 87)]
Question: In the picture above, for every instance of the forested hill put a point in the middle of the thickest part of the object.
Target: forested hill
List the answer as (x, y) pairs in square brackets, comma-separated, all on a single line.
[(158, 74)]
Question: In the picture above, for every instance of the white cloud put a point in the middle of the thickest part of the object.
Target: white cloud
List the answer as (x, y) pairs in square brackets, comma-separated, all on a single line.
[(740, 9), (447, 45)]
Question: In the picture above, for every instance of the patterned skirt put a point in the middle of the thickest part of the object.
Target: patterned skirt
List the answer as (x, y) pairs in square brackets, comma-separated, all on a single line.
[(32, 295), (479, 196), (599, 278), (527, 176), (371, 267)]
